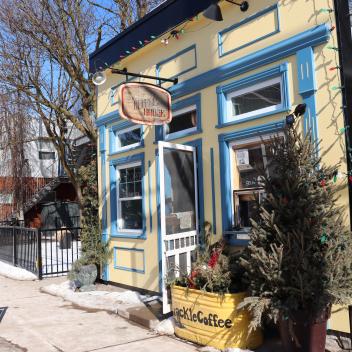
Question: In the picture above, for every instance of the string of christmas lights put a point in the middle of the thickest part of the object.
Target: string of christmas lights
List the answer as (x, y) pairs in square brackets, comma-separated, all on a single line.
[(345, 129), (174, 33), (342, 131)]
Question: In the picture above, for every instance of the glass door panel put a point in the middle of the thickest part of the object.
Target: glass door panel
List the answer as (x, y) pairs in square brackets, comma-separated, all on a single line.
[(179, 210)]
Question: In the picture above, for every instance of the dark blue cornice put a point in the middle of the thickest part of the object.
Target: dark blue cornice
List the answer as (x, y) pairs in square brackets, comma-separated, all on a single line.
[(162, 19)]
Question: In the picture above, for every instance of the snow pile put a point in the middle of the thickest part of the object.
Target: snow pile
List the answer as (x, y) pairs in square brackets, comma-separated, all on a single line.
[(166, 327), (16, 273), (102, 300), (208, 349)]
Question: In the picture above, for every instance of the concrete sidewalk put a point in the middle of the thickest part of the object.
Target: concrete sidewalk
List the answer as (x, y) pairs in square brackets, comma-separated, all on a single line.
[(38, 322)]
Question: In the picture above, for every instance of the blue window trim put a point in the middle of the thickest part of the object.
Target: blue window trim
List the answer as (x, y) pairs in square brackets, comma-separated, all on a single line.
[(135, 270), (213, 188), (307, 88), (225, 164), (245, 21), (198, 144), (173, 57), (287, 47), (105, 236), (113, 131), (178, 105), (113, 196), (108, 118), (150, 196), (222, 91)]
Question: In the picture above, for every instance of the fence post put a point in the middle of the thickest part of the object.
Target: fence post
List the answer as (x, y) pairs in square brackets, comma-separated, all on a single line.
[(14, 241), (39, 254)]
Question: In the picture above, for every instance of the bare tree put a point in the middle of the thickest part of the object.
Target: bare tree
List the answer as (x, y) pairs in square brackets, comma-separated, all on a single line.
[(120, 14), (16, 131), (44, 48)]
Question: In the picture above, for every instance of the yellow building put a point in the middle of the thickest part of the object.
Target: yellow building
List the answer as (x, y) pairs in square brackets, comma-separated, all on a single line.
[(237, 80)]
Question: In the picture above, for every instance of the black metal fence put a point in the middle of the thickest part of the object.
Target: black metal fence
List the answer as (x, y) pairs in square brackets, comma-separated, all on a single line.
[(59, 248), (42, 252), (19, 247)]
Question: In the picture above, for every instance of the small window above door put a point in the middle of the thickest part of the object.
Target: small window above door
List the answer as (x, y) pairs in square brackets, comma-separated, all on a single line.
[(183, 122), (186, 120), (125, 136)]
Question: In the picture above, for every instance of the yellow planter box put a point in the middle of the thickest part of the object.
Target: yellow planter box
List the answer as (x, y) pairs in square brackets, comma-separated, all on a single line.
[(213, 320)]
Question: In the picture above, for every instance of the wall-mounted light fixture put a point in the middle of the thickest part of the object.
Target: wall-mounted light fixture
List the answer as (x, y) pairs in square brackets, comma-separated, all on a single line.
[(213, 12), (299, 111), (99, 78)]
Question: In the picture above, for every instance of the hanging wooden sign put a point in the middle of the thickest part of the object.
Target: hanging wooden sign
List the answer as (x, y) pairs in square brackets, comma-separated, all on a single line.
[(145, 103)]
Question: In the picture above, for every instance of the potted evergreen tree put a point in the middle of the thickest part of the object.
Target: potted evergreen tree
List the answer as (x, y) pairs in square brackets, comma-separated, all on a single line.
[(299, 259)]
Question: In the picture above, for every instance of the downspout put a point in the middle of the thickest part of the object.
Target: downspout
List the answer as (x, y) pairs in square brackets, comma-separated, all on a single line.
[(344, 37)]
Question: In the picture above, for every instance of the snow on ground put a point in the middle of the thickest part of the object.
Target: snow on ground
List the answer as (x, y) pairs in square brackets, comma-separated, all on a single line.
[(115, 302), (16, 273), (55, 259), (166, 327), (213, 349), (102, 300)]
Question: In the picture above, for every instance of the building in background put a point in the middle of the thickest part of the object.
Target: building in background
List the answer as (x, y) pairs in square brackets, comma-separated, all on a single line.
[(237, 80), (41, 183)]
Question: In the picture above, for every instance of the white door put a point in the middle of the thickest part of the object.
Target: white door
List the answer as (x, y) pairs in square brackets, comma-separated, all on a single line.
[(179, 211)]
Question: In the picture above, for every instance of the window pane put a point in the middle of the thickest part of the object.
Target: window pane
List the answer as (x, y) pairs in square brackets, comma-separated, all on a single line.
[(138, 189), (246, 208), (248, 161), (170, 263), (131, 214), (123, 175), (183, 263), (130, 184), (123, 190), (130, 174), (46, 155), (255, 100), (182, 122), (130, 137), (130, 189)]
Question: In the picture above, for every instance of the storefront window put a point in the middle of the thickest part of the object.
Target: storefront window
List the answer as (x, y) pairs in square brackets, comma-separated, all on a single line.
[(130, 198), (129, 137), (257, 99), (247, 161)]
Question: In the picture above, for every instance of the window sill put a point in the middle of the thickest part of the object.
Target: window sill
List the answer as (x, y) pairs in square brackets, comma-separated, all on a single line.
[(223, 124), (125, 150), (139, 236), (175, 137)]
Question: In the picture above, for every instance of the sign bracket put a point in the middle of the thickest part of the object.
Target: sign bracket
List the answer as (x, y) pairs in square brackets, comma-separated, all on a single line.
[(127, 74)]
